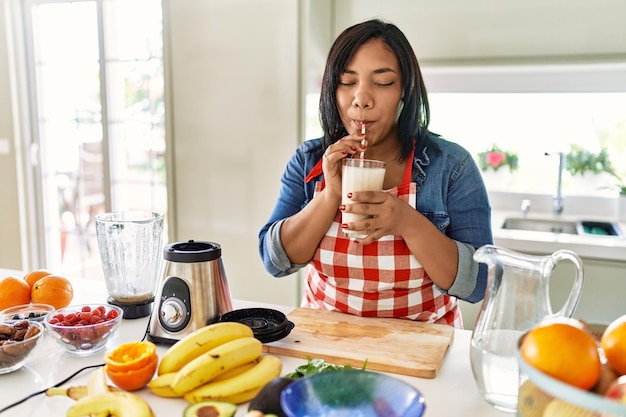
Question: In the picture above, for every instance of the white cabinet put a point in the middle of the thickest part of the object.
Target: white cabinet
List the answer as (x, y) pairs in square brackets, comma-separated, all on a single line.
[(234, 102), (604, 290)]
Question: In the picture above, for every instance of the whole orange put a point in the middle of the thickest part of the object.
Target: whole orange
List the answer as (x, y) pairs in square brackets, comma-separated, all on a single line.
[(55, 290), (34, 276), (564, 350), (613, 344), (131, 366), (13, 291)]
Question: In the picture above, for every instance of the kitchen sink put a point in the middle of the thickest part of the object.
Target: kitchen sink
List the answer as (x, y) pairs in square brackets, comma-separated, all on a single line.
[(541, 225), (582, 227)]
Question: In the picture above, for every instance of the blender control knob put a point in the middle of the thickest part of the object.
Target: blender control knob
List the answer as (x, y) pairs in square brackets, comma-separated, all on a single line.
[(173, 312)]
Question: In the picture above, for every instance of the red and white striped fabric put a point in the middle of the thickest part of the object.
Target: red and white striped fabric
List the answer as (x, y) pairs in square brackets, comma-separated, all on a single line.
[(382, 279)]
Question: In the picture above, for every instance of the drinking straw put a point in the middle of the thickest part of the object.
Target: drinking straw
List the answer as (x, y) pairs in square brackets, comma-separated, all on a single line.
[(363, 141)]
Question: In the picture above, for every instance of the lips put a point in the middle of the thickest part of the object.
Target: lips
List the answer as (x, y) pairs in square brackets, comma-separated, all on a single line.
[(359, 124)]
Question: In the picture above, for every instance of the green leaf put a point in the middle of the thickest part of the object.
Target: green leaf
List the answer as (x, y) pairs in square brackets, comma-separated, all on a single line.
[(315, 366)]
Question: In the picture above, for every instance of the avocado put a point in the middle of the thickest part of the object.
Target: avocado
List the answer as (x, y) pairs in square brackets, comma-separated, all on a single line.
[(268, 399), (210, 409)]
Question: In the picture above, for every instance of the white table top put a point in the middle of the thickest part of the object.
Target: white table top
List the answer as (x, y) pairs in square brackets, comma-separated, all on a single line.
[(452, 393)]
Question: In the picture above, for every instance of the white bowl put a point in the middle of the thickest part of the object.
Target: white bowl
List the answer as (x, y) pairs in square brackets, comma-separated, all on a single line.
[(32, 311), (82, 338), (18, 348)]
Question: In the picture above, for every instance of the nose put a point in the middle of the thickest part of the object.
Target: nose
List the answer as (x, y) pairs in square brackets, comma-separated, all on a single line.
[(362, 98)]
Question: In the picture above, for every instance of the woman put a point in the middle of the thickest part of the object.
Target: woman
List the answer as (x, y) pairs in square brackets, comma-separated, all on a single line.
[(417, 257)]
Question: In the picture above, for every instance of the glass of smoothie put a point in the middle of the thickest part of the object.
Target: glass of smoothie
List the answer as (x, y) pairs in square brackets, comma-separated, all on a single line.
[(359, 175)]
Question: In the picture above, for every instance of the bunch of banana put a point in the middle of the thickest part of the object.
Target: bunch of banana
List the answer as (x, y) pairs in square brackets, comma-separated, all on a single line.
[(240, 388), (201, 341), (225, 355), (97, 398)]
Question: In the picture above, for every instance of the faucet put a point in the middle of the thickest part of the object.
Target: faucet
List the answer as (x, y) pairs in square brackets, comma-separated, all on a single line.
[(525, 206), (557, 201)]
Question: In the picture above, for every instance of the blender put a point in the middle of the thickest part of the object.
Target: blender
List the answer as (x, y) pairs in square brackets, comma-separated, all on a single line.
[(130, 243)]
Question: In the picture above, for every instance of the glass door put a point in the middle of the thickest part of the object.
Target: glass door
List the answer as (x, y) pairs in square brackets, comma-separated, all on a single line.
[(98, 120)]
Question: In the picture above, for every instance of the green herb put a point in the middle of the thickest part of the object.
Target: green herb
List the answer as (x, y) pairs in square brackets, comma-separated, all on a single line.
[(580, 160), (316, 366)]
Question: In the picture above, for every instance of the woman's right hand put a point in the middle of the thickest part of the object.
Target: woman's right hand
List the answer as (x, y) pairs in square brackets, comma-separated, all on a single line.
[(331, 160)]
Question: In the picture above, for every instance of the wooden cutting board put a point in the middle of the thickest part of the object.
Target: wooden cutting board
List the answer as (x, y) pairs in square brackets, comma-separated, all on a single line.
[(390, 345)]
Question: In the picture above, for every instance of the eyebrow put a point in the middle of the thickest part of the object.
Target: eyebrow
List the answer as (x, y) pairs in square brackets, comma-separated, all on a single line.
[(376, 71)]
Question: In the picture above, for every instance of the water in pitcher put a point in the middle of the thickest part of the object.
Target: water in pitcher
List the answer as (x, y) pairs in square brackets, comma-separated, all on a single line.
[(494, 363)]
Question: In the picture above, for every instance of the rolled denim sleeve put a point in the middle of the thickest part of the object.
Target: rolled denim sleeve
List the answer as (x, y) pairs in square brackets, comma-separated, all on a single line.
[(465, 283), (278, 263)]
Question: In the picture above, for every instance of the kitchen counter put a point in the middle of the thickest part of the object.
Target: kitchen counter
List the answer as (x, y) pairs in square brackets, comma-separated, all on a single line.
[(452, 392)]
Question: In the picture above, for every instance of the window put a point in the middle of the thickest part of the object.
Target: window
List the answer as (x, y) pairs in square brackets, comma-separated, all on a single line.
[(532, 111), (98, 121)]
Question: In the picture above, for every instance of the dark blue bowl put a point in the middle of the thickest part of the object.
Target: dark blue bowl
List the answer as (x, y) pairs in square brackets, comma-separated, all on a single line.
[(353, 393)]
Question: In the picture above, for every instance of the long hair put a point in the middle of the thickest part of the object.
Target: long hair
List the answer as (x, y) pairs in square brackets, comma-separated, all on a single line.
[(415, 116)]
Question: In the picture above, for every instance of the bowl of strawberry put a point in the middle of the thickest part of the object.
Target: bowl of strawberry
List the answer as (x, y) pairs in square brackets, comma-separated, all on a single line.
[(83, 329)]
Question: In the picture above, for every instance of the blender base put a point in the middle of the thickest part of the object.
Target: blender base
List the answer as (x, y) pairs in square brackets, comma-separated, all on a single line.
[(134, 310)]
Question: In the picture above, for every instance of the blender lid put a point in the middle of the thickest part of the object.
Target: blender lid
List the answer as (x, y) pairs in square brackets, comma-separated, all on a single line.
[(267, 325), (192, 251)]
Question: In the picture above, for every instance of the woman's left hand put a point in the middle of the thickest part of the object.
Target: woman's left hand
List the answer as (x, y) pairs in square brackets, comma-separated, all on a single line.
[(388, 214)]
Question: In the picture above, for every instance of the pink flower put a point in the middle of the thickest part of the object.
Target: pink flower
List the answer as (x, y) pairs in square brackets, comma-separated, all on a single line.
[(495, 159)]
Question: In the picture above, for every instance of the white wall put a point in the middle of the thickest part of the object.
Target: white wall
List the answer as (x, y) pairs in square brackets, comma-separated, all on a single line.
[(235, 122), (532, 30)]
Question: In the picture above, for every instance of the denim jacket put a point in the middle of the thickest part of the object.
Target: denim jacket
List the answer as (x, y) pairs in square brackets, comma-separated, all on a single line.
[(450, 193)]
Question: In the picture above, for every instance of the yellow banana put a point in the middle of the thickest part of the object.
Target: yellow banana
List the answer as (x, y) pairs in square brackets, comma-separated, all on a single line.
[(97, 383), (236, 371), (216, 361), (240, 388), (200, 341), (162, 385), (113, 404), (75, 392)]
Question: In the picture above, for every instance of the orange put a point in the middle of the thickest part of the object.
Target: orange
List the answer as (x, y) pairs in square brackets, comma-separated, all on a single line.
[(55, 290), (564, 350), (13, 291), (613, 344), (36, 275), (129, 356), (131, 366)]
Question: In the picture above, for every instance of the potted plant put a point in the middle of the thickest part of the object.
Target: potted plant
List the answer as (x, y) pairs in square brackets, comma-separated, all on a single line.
[(497, 165), (580, 161), (496, 158), (587, 170)]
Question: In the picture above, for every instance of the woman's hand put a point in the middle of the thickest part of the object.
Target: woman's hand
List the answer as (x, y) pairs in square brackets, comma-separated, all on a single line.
[(335, 153), (389, 214)]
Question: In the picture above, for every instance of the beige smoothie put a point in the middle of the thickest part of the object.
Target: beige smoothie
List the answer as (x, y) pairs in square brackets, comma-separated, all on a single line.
[(359, 175)]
